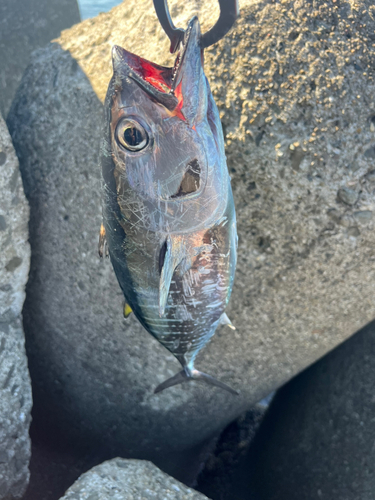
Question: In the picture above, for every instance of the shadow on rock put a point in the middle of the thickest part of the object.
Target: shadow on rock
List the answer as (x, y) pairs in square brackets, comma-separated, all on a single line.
[(317, 439)]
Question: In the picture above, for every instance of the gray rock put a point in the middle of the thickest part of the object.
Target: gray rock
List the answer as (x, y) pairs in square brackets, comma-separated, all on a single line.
[(15, 388), (303, 284), (120, 479), (353, 231), (371, 176), (347, 195), (25, 26), (363, 216), (317, 440)]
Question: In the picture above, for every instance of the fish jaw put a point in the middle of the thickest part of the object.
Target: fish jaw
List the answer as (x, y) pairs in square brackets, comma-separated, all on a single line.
[(189, 82), (181, 89), (154, 80)]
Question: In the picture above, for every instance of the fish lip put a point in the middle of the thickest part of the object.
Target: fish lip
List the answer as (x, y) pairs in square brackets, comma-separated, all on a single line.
[(165, 98), (192, 34)]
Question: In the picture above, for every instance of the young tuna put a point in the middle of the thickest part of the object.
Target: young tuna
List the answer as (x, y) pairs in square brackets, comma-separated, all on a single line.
[(168, 211)]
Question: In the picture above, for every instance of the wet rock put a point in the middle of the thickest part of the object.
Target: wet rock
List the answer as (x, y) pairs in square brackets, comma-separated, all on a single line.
[(25, 26), (15, 388), (120, 479), (302, 286), (347, 195), (317, 440)]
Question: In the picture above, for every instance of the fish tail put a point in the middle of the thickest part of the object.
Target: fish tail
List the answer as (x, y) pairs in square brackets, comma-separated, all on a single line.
[(188, 374), (179, 378), (197, 375)]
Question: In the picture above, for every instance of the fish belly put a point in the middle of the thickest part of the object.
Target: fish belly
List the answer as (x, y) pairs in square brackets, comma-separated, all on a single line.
[(199, 289)]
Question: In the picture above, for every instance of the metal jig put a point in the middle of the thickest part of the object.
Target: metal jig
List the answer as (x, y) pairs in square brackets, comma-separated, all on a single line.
[(229, 11)]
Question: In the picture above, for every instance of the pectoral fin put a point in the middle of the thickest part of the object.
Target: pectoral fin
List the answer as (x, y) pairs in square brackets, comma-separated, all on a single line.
[(171, 254)]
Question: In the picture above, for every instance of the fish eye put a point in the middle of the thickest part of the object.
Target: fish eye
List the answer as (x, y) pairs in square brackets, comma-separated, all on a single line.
[(131, 135)]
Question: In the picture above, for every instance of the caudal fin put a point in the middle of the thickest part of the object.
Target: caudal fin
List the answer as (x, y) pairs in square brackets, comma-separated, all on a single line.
[(186, 375)]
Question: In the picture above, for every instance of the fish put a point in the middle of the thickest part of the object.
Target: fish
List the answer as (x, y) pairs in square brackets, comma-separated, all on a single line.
[(169, 222)]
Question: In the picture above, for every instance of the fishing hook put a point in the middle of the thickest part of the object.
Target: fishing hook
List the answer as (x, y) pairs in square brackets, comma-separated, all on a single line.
[(229, 11)]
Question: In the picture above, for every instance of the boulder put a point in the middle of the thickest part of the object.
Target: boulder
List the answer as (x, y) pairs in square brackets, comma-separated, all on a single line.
[(15, 386), (120, 479), (25, 26), (294, 85), (317, 440)]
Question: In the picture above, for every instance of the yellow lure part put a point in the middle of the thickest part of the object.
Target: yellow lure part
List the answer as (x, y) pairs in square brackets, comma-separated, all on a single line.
[(127, 310)]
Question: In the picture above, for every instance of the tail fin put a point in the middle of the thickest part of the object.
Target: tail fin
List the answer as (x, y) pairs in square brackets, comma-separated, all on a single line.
[(186, 375)]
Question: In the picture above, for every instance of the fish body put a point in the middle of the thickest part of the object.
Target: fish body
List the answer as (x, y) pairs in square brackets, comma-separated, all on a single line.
[(168, 209)]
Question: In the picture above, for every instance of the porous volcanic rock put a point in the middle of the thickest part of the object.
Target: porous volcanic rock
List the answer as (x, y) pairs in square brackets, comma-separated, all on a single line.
[(24, 27), (317, 439), (294, 84), (15, 386), (120, 479)]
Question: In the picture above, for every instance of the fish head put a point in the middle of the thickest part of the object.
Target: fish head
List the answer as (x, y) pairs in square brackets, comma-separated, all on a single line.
[(165, 140)]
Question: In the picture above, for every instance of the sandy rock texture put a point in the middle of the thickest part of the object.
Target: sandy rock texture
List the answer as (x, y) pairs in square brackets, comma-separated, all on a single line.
[(15, 387), (120, 479), (25, 26), (317, 440), (294, 85)]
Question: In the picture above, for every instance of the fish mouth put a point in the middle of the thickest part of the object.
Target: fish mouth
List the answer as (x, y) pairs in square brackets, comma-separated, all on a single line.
[(183, 49), (161, 83)]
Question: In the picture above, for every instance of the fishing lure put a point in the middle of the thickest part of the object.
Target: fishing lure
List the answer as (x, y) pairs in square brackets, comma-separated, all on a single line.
[(168, 214)]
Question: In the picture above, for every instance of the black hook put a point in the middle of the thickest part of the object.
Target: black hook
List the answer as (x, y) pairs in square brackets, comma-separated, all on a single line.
[(175, 35), (229, 11)]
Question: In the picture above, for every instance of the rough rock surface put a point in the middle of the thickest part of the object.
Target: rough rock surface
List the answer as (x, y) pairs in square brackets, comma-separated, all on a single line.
[(24, 27), (15, 387), (120, 479), (216, 480), (317, 440), (294, 84)]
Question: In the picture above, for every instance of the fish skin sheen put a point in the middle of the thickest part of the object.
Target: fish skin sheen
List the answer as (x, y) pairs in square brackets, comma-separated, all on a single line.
[(168, 210)]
